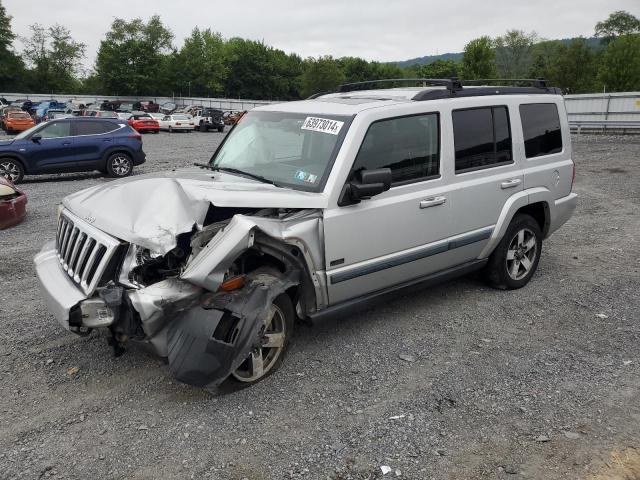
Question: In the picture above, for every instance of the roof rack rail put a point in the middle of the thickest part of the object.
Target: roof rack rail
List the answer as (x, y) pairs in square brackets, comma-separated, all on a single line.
[(533, 82), (452, 84)]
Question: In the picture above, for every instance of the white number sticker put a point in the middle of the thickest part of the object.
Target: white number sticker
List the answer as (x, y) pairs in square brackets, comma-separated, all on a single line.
[(324, 125)]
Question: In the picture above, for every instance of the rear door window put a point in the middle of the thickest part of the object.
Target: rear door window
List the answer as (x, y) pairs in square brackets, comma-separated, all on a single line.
[(482, 138), (90, 128), (541, 129)]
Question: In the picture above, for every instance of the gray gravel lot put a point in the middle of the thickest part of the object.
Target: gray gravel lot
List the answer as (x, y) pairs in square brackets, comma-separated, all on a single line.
[(543, 382)]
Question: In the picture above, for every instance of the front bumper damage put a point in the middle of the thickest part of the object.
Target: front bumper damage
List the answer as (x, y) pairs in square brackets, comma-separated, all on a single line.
[(204, 333)]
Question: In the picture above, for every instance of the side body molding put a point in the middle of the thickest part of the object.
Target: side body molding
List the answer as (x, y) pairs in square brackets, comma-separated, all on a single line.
[(511, 206)]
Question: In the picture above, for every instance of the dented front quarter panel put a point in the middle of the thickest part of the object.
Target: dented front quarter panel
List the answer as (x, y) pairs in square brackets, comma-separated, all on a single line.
[(302, 230)]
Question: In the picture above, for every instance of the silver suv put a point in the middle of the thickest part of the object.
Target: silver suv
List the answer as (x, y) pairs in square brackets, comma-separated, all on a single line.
[(309, 209)]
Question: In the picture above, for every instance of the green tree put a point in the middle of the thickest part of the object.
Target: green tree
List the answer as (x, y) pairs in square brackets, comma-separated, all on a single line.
[(132, 58), (320, 75), (572, 67), (479, 59), (54, 57), (620, 64), (11, 67), (618, 23), (199, 65), (438, 69), (513, 53)]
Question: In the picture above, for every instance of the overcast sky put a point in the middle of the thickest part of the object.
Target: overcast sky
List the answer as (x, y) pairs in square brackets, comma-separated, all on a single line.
[(383, 30)]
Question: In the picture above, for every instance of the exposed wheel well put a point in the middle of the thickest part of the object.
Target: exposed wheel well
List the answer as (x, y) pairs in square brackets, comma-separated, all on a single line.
[(282, 258), (540, 212)]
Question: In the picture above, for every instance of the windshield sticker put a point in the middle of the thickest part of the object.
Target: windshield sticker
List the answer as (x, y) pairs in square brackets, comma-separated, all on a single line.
[(324, 125), (305, 177)]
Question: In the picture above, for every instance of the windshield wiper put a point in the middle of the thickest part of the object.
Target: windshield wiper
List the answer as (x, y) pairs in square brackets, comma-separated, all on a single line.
[(236, 171)]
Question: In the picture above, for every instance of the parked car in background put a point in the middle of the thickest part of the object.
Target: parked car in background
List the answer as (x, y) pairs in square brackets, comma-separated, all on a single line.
[(149, 107), (231, 118), (157, 116), (143, 122), (13, 204), (206, 119), (72, 145), (53, 114), (168, 107), (177, 122), (102, 114), (5, 110), (17, 121), (124, 115), (3, 102)]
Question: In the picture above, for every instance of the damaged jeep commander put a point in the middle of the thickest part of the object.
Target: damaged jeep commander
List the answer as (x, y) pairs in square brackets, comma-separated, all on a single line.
[(309, 209)]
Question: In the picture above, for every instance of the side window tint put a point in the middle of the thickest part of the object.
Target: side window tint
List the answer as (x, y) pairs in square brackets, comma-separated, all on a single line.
[(409, 146), (541, 129), (55, 130), (89, 128), (482, 138)]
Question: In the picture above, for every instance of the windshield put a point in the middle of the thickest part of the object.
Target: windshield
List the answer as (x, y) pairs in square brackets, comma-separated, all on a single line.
[(290, 149)]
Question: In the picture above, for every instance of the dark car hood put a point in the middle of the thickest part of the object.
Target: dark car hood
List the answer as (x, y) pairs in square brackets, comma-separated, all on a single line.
[(151, 210), (6, 143)]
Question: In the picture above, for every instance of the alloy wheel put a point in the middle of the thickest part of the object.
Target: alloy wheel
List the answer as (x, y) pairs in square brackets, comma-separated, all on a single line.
[(521, 254), (263, 358), (120, 165), (10, 171)]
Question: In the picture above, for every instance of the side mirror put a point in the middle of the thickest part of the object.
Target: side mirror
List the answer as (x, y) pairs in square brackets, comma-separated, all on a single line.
[(366, 184), (36, 138)]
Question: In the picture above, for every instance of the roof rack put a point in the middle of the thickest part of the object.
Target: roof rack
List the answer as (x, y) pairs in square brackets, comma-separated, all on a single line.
[(452, 84), (533, 82), (454, 87)]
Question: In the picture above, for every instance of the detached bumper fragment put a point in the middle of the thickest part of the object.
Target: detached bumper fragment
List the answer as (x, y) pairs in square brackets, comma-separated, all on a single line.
[(211, 340)]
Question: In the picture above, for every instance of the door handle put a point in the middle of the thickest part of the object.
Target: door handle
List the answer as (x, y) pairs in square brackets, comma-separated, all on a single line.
[(432, 202), (514, 182), (66, 144)]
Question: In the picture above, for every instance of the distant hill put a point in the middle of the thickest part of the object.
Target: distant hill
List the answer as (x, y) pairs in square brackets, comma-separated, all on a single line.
[(593, 42)]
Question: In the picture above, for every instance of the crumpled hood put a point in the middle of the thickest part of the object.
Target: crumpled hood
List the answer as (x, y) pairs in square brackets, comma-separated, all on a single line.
[(151, 210)]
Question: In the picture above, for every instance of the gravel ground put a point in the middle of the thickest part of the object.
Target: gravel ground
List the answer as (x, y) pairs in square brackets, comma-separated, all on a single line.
[(543, 382)]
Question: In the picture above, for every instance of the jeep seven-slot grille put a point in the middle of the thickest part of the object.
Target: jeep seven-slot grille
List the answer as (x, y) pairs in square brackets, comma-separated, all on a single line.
[(84, 251)]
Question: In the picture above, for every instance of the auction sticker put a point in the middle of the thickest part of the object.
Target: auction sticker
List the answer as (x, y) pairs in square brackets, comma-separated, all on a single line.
[(324, 125)]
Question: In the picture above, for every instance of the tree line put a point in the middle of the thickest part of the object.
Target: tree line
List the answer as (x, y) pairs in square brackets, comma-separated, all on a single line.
[(138, 57)]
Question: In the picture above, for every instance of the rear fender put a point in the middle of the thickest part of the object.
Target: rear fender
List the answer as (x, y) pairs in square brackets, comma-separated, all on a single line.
[(511, 206)]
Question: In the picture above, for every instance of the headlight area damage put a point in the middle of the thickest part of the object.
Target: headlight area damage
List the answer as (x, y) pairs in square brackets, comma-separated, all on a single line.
[(205, 303)]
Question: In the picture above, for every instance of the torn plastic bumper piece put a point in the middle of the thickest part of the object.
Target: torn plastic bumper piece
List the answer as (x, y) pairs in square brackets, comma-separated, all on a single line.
[(209, 341)]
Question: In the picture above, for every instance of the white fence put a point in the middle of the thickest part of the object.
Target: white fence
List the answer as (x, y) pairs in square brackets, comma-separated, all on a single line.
[(221, 103), (604, 107)]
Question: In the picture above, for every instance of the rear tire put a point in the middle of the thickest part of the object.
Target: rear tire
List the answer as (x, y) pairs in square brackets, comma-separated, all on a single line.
[(220, 129), (119, 165), (516, 258), (203, 127), (170, 130), (11, 169)]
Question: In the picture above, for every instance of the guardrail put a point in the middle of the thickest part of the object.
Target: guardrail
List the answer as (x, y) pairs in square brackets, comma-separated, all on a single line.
[(633, 125)]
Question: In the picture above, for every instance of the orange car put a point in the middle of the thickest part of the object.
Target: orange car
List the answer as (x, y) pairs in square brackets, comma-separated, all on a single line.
[(17, 122)]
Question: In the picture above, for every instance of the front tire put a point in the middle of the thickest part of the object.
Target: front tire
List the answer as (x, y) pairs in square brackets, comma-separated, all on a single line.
[(266, 359), (516, 258), (119, 165), (11, 169)]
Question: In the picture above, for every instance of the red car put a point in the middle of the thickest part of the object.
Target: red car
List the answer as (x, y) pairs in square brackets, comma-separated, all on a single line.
[(144, 123), (13, 204)]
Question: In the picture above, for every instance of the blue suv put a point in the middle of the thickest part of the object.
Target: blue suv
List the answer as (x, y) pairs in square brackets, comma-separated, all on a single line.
[(72, 145)]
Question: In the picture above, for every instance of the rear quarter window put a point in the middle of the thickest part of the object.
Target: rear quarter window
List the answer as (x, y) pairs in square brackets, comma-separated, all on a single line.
[(541, 129)]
